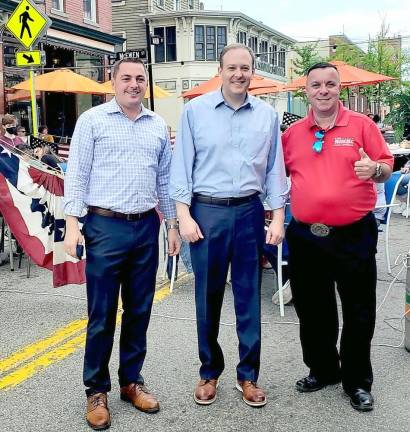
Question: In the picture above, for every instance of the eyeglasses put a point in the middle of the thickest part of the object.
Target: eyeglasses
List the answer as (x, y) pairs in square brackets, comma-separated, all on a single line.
[(318, 145)]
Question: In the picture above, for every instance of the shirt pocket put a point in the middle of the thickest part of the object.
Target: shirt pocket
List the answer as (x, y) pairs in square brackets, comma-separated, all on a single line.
[(255, 144)]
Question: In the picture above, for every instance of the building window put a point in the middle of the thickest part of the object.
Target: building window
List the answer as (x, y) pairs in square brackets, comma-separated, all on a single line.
[(241, 37), (58, 5), (90, 10), (282, 58), (199, 43), (190, 4), (161, 3), (177, 5), (209, 42), (274, 59), (253, 43), (166, 51), (263, 51)]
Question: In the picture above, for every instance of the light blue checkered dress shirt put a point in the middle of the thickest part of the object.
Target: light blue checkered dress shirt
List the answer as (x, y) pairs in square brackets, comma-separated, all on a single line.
[(117, 163)]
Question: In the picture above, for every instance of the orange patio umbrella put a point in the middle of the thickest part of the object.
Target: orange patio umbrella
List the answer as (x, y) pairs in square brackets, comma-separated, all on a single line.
[(214, 83), (268, 90), (349, 76), (19, 95), (63, 81)]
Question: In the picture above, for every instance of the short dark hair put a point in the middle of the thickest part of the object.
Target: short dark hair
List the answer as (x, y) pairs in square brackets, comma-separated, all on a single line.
[(236, 46), (41, 128), (118, 63), (321, 65)]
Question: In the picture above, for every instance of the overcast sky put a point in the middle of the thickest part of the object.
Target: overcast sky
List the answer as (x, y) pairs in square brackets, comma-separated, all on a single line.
[(310, 19)]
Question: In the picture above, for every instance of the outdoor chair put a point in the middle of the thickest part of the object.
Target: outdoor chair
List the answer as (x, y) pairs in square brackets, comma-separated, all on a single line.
[(281, 253), (390, 191)]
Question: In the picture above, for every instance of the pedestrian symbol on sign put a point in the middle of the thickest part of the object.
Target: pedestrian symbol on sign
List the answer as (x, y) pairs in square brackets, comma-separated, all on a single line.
[(27, 24), (24, 17)]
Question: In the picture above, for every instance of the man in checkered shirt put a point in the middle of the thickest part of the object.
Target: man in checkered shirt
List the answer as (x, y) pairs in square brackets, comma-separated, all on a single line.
[(118, 168)]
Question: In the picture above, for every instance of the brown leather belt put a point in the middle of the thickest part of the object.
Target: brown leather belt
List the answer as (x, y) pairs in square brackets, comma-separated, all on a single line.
[(129, 217), (230, 201)]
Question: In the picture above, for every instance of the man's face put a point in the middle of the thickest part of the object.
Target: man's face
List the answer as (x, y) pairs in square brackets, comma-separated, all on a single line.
[(130, 84), (323, 90), (236, 72)]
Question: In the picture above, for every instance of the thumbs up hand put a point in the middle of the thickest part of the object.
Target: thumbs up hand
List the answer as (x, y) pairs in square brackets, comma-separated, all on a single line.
[(364, 168)]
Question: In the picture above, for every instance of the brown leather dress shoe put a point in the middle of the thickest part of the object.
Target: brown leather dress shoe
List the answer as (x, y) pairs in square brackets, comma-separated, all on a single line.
[(98, 415), (252, 395), (140, 397), (205, 391)]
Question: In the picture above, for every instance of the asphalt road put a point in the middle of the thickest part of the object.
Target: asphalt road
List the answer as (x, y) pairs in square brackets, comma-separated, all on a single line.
[(42, 333)]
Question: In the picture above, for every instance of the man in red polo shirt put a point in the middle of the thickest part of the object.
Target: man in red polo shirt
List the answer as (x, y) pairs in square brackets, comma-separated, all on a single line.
[(334, 156)]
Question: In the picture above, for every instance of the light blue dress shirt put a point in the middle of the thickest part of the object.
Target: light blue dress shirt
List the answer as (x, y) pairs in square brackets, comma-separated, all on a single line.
[(117, 163), (223, 152)]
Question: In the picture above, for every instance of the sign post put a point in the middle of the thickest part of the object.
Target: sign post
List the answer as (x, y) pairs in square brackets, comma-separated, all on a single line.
[(28, 24)]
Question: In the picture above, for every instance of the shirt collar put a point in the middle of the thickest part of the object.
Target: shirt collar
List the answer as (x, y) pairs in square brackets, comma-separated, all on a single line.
[(342, 118), (113, 107), (218, 99)]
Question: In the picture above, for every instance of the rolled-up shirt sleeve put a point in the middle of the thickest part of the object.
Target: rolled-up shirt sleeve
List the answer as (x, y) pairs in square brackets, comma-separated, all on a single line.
[(79, 166), (276, 186), (180, 185), (166, 205)]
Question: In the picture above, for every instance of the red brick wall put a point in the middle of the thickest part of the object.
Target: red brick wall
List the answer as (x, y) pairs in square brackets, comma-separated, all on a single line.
[(75, 12)]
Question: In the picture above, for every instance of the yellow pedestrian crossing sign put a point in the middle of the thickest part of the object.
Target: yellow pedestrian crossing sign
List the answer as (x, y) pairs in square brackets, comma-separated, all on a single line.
[(27, 23), (28, 58)]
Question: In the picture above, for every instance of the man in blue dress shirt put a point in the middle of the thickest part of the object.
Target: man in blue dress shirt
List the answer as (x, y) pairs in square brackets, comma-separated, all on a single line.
[(227, 153), (118, 168)]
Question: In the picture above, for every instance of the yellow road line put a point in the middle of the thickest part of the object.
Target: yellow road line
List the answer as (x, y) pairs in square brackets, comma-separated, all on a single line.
[(60, 352), (35, 348)]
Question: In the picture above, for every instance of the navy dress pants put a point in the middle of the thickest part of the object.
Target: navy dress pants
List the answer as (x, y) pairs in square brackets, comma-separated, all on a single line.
[(346, 257), (232, 235), (124, 254)]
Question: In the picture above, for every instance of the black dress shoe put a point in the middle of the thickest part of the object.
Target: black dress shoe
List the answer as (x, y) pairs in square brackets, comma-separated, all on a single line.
[(311, 384), (361, 400)]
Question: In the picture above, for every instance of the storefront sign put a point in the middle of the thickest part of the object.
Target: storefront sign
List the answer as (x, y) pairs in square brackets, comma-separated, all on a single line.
[(27, 23)]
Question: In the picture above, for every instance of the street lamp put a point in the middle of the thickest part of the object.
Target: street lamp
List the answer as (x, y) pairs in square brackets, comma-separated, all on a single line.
[(151, 40)]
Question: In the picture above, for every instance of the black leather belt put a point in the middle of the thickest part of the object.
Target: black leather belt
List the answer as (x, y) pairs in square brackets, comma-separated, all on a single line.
[(129, 217), (230, 201)]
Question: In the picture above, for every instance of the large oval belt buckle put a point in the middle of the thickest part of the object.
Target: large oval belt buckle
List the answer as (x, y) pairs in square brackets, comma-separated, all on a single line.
[(319, 230)]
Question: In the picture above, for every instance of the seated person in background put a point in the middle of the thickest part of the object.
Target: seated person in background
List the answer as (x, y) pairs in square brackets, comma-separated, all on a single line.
[(381, 201), (21, 133), (382, 127), (43, 134), (402, 191), (46, 156)]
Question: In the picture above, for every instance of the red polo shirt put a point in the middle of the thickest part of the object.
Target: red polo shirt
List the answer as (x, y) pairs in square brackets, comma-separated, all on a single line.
[(324, 186)]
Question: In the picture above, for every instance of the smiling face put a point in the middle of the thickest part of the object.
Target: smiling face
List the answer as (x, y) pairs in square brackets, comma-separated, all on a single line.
[(323, 90), (236, 73), (130, 84)]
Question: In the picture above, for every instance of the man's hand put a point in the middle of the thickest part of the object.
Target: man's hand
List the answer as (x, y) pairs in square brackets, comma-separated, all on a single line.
[(174, 243), (73, 236), (275, 233), (189, 229), (364, 168)]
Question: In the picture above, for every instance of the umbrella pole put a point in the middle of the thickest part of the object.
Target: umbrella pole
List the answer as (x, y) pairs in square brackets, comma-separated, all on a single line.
[(348, 97)]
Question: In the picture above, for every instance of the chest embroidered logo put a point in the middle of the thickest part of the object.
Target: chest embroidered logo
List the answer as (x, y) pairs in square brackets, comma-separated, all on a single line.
[(343, 142)]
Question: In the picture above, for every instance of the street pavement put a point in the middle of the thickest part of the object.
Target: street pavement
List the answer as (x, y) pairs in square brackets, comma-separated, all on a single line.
[(41, 354)]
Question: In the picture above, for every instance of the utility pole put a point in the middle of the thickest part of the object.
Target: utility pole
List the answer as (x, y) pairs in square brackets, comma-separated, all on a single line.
[(149, 58)]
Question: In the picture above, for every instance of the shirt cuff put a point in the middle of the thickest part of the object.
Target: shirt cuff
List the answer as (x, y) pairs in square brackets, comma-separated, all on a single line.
[(182, 196), (276, 202), (74, 208)]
